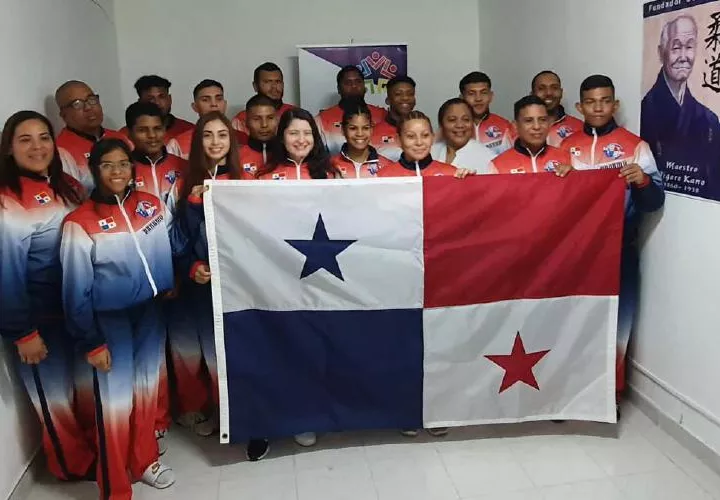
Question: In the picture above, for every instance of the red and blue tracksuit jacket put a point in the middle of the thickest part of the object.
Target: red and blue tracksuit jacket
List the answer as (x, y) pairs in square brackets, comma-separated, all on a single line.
[(31, 306), (158, 177), (425, 168), (253, 157), (350, 169), (519, 160)]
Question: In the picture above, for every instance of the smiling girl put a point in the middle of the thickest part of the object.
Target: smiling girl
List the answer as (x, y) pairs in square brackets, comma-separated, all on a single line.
[(357, 158)]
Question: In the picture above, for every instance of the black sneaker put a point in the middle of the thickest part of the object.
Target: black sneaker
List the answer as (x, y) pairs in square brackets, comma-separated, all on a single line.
[(257, 449)]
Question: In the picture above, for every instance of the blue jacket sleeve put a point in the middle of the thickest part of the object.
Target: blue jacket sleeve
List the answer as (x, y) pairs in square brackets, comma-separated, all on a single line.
[(651, 196), (77, 286), (15, 312)]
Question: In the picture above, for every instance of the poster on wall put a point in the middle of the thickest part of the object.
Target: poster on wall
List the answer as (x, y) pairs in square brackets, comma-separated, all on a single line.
[(319, 65), (681, 93)]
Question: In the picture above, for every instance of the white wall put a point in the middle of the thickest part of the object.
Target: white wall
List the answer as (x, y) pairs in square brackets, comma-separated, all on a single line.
[(186, 41), (676, 344), (519, 38), (42, 44)]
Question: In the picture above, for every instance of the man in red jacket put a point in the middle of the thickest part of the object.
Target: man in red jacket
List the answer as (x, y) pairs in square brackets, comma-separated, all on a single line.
[(156, 89), (547, 86), (82, 112), (268, 82)]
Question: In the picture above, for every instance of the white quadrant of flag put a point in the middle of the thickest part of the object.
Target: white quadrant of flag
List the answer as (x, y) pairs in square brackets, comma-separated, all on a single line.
[(567, 350), (381, 269)]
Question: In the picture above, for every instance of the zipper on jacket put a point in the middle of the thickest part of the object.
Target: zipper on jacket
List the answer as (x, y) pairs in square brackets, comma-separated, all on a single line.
[(594, 144), (144, 261)]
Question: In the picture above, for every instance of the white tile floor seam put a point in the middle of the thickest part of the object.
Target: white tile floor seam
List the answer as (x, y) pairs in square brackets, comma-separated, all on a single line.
[(539, 461)]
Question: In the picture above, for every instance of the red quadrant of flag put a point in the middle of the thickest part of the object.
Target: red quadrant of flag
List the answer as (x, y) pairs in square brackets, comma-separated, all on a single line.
[(526, 237)]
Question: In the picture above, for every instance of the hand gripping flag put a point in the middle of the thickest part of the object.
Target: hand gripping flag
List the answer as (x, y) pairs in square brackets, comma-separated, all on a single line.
[(414, 302)]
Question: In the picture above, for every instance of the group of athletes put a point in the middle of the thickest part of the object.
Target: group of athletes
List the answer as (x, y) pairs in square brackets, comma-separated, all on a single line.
[(103, 252)]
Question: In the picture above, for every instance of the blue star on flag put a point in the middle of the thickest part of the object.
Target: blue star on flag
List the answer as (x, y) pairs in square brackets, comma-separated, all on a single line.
[(320, 252)]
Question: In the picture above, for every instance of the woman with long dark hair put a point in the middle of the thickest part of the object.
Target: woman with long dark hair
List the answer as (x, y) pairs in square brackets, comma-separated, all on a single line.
[(298, 151), (35, 197), (117, 263), (213, 155)]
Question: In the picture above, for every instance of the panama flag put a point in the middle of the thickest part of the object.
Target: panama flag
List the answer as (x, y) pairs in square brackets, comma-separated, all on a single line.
[(414, 302)]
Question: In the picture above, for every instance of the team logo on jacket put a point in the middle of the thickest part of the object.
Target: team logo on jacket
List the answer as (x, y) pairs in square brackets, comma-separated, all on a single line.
[(552, 166), (43, 198), (493, 132), (279, 177), (387, 139), (171, 176), (250, 168), (107, 224), (575, 151), (564, 132), (343, 171), (519, 170), (337, 124), (145, 209), (373, 168), (613, 151), (139, 182)]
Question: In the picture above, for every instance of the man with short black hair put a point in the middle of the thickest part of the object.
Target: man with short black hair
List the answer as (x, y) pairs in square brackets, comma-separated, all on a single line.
[(82, 112), (492, 130), (267, 81), (602, 145), (351, 88), (547, 86), (401, 101), (261, 120), (156, 89), (208, 95), (531, 153)]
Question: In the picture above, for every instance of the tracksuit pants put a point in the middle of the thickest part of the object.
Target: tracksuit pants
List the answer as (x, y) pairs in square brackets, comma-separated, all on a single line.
[(192, 344), (49, 384), (126, 397), (628, 301)]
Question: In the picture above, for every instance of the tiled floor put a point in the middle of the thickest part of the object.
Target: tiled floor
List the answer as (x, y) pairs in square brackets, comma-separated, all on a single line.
[(541, 461)]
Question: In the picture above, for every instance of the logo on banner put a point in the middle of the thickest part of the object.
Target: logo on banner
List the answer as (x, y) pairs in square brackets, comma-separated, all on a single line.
[(378, 63), (107, 224), (250, 168), (613, 151), (493, 132), (552, 166), (43, 198), (575, 151), (140, 182), (171, 176), (279, 177), (145, 209), (564, 132)]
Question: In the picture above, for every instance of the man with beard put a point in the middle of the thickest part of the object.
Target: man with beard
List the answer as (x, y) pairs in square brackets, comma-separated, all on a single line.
[(547, 86), (267, 81), (683, 134)]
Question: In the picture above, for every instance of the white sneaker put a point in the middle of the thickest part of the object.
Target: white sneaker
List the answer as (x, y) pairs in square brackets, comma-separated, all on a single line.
[(409, 432), (161, 441), (198, 423), (158, 476), (306, 439)]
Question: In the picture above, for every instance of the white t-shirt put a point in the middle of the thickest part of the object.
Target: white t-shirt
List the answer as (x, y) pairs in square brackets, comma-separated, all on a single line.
[(472, 156)]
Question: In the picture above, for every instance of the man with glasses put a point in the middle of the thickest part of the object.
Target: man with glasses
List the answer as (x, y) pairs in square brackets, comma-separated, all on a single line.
[(82, 113)]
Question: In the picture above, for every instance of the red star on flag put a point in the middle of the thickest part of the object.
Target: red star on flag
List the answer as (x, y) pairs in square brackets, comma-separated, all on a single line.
[(518, 365)]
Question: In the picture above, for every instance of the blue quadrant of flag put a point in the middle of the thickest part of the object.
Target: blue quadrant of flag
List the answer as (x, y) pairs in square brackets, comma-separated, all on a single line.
[(323, 371)]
